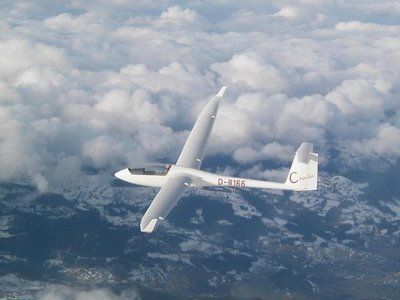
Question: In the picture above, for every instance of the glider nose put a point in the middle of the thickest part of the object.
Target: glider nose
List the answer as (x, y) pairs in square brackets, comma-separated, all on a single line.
[(121, 174)]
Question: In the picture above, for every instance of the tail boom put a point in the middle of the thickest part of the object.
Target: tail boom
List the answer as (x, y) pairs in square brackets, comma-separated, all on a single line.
[(302, 175)]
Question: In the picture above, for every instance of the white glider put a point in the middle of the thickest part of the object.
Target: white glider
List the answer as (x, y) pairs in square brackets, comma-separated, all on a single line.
[(173, 179)]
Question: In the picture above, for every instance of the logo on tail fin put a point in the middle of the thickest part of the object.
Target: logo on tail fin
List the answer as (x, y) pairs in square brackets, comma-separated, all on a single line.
[(290, 177), (296, 178)]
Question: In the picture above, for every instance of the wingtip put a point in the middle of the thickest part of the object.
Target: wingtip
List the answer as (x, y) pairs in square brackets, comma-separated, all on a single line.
[(149, 228), (221, 92)]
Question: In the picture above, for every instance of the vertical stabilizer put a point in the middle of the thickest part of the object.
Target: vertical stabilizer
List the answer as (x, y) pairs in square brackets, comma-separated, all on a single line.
[(303, 174)]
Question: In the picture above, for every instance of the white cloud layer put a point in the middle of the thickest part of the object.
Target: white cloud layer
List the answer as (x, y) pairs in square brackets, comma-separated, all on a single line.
[(61, 292), (105, 84)]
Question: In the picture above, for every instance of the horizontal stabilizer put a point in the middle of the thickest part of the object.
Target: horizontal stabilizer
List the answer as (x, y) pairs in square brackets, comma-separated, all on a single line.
[(303, 151)]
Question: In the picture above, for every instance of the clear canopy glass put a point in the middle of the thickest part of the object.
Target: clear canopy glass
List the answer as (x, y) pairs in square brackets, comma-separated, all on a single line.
[(154, 169)]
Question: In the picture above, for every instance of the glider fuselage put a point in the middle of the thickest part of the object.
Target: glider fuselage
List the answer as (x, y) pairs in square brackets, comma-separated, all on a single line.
[(195, 178)]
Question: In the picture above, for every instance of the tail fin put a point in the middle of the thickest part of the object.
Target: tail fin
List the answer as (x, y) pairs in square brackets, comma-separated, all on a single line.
[(303, 174)]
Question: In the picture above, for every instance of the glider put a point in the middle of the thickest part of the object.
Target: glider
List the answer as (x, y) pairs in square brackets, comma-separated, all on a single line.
[(174, 179)]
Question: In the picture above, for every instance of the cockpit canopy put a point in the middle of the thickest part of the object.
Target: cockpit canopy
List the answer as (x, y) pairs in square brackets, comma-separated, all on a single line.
[(154, 169)]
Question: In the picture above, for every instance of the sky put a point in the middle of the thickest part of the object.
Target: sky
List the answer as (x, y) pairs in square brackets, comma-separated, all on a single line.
[(105, 84)]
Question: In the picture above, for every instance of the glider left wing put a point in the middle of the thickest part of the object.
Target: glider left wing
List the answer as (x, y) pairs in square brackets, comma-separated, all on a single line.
[(193, 152), (164, 201)]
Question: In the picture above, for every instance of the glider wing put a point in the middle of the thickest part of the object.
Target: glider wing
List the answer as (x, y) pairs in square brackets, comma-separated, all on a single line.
[(193, 152), (164, 201)]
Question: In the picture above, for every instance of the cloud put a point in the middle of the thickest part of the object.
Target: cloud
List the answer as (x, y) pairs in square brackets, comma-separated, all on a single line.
[(258, 172), (18, 55), (272, 151), (62, 292), (176, 16), (251, 70), (360, 26), (386, 8), (41, 183), (15, 154), (166, 77), (257, 119), (41, 80), (135, 107), (359, 99), (386, 142), (104, 85), (65, 22), (289, 12)]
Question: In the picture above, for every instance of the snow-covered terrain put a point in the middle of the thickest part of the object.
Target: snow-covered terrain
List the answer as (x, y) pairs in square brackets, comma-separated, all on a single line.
[(215, 240)]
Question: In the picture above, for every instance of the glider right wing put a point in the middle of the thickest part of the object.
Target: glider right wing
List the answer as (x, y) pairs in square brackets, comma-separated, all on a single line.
[(193, 152), (164, 201)]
